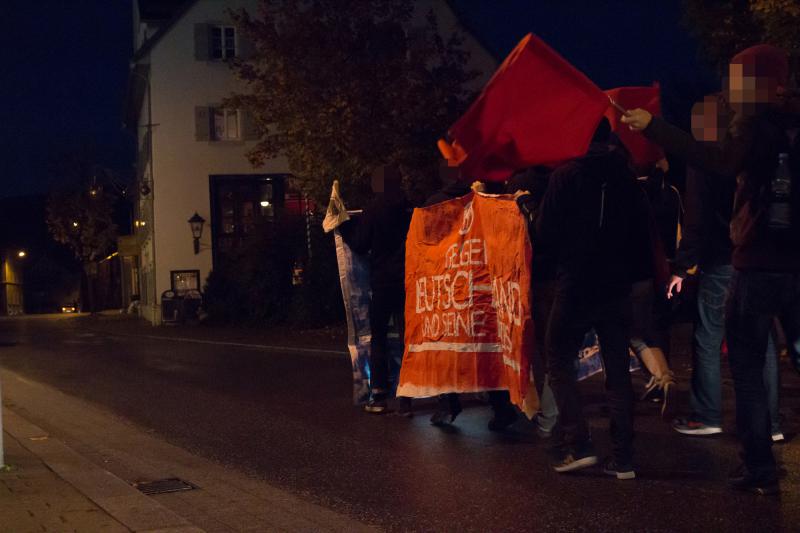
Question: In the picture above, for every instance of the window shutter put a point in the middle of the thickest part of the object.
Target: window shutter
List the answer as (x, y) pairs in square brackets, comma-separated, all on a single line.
[(202, 123), (202, 42), (249, 126), (244, 46)]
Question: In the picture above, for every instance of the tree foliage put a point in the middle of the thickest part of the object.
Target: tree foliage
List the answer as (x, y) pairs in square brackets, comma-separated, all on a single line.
[(726, 27), (82, 220), (341, 87)]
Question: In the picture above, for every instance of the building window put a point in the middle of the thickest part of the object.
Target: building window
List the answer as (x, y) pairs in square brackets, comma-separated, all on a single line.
[(223, 42), (225, 124), (242, 207), (185, 280)]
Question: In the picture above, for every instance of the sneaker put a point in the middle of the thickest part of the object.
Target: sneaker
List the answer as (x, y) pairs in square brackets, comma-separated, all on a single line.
[(569, 460), (688, 426), (620, 470), (376, 405), (778, 437), (764, 486), (502, 419)]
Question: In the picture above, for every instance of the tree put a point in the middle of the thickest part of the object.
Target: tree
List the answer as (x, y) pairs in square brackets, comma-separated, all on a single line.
[(81, 219), (726, 27), (341, 87)]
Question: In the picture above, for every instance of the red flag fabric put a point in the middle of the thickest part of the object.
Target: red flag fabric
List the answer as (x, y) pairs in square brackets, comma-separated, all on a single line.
[(643, 152), (536, 110), (468, 324)]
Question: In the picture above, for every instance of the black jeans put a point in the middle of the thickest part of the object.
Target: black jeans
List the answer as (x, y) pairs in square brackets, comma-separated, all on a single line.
[(386, 302), (755, 299), (572, 315)]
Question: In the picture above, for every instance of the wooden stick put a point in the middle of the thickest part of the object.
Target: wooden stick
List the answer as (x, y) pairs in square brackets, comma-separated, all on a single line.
[(618, 107)]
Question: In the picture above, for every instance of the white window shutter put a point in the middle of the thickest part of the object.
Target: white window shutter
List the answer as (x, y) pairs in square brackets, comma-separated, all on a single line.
[(202, 123), (249, 126), (202, 42)]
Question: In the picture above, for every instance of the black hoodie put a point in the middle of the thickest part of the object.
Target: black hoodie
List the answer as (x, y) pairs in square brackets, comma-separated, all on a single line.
[(594, 217)]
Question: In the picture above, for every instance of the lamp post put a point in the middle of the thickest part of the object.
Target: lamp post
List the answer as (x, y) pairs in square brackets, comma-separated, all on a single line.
[(196, 225)]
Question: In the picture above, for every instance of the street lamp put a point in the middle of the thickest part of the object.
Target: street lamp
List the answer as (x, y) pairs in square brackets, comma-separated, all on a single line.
[(196, 224), (21, 254)]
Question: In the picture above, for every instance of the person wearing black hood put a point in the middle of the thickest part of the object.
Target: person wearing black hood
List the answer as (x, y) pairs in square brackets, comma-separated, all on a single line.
[(762, 152), (381, 231), (591, 218)]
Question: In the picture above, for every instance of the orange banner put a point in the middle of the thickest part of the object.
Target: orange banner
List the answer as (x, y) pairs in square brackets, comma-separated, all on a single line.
[(468, 324)]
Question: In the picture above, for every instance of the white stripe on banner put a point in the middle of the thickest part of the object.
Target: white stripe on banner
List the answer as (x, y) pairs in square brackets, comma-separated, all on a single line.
[(474, 347)]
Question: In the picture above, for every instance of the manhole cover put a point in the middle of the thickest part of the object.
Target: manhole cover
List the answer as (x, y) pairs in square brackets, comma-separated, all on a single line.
[(163, 486)]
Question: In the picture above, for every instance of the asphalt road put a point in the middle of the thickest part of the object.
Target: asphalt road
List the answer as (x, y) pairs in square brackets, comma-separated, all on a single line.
[(287, 418)]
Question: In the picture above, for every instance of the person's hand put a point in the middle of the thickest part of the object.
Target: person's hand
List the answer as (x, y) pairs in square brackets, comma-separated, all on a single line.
[(637, 119), (663, 164), (676, 284), (478, 186)]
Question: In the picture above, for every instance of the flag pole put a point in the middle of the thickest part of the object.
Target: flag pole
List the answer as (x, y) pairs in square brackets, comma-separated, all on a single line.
[(617, 106)]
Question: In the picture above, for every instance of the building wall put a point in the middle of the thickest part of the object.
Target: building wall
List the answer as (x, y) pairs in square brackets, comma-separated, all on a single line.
[(181, 164)]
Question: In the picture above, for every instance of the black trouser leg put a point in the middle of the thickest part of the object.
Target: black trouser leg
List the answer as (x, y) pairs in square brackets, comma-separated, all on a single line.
[(565, 331), (753, 297), (612, 326), (385, 302)]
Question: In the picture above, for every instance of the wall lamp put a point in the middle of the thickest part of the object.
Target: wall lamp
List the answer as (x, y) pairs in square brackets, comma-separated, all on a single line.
[(196, 224)]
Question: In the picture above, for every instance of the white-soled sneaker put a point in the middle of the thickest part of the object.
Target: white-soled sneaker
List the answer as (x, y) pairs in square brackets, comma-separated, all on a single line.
[(619, 470)]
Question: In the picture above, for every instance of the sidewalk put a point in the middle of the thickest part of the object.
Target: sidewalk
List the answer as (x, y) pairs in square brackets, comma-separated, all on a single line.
[(34, 498), (73, 466)]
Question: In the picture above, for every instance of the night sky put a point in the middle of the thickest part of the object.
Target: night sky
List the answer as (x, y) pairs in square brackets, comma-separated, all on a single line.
[(66, 65)]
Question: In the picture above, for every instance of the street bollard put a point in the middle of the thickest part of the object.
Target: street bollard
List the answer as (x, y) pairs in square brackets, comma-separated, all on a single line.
[(2, 459)]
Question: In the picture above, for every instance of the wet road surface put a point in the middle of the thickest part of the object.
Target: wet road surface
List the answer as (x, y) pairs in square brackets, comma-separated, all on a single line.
[(287, 418)]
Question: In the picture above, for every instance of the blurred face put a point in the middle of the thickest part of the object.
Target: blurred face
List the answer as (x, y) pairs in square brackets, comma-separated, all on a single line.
[(746, 91), (705, 123)]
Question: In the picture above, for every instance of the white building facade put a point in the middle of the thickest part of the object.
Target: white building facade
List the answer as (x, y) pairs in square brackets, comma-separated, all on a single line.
[(192, 151)]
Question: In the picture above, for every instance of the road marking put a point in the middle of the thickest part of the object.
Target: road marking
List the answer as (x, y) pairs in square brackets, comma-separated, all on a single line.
[(243, 344)]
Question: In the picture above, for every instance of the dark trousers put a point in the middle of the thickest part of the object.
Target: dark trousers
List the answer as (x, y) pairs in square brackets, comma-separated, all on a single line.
[(756, 298), (572, 315), (386, 302)]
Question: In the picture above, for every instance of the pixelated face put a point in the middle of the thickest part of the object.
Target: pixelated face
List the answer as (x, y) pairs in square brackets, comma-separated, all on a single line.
[(706, 123), (746, 91)]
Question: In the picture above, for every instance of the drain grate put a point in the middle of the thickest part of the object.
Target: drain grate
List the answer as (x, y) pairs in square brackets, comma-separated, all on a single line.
[(163, 486)]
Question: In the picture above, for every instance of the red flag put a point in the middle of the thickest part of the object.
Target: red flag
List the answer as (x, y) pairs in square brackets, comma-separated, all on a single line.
[(536, 110), (642, 150)]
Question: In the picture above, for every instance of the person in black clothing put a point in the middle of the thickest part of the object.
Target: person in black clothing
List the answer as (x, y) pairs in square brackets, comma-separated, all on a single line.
[(591, 218), (760, 150), (381, 232)]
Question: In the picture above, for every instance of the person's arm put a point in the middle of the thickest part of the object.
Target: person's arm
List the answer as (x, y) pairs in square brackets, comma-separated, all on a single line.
[(694, 232), (725, 159), (550, 217), (357, 233)]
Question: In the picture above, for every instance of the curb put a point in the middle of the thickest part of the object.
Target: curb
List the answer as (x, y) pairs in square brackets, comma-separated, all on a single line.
[(122, 502)]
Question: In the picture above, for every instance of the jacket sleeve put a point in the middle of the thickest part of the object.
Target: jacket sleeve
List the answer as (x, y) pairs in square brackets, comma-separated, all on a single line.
[(725, 159), (357, 233), (550, 217), (694, 230)]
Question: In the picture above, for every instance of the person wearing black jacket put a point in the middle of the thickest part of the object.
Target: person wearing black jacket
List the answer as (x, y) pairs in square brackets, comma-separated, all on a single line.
[(591, 218), (766, 281), (381, 231)]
